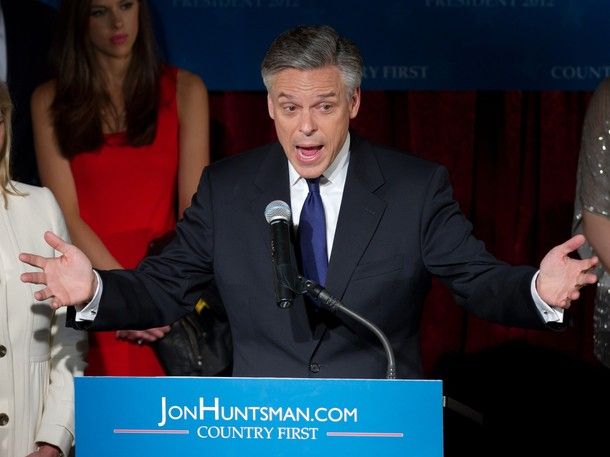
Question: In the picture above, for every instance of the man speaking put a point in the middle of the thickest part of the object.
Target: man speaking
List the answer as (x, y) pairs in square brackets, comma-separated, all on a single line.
[(371, 224)]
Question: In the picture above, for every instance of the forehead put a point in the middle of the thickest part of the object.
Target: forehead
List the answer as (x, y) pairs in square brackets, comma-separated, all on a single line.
[(319, 81)]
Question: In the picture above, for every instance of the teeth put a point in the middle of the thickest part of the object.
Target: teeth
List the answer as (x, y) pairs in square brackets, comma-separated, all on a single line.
[(309, 152)]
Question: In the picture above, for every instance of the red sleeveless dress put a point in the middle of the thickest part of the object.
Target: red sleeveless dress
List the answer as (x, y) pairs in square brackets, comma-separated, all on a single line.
[(128, 196)]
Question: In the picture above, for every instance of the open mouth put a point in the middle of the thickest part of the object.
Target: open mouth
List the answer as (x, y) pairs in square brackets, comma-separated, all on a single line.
[(308, 153)]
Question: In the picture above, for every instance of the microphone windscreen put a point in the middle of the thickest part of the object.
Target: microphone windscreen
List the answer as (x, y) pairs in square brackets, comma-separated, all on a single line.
[(277, 209)]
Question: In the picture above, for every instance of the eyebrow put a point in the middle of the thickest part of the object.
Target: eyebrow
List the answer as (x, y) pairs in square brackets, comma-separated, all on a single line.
[(321, 96), (327, 95)]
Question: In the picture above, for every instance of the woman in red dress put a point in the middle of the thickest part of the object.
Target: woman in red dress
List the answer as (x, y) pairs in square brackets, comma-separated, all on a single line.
[(121, 140)]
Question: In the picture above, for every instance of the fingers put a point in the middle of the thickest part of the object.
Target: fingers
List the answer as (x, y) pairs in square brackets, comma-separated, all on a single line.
[(589, 278), (33, 260), (158, 333), (34, 277), (45, 294), (583, 280), (162, 331), (55, 242), (140, 336), (37, 261), (573, 243), (126, 334), (574, 295), (588, 264), (56, 303), (563, 304)]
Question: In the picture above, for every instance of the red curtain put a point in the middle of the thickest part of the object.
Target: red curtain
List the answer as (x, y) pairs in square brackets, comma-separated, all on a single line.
[(512, 157)]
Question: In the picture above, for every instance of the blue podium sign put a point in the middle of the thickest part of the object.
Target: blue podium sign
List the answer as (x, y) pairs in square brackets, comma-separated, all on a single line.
[(257, 416)]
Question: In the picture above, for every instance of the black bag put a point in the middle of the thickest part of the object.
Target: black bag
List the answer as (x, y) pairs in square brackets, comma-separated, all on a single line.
[(199, 344)]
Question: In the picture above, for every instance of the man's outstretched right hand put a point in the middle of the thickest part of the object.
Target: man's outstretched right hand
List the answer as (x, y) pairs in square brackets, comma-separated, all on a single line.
[(68, 279)]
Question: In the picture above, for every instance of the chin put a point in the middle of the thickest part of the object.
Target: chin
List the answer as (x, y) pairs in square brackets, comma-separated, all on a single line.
[(309, 172)]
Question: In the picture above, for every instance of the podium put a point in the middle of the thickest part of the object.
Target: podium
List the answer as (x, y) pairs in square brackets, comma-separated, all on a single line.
[(188, 416)]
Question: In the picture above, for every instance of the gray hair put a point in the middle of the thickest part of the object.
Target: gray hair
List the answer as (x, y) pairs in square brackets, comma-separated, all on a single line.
[(312, 47)]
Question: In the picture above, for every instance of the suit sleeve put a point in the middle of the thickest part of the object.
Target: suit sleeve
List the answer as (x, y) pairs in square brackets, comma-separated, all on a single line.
[(164, 287), (487, 287)]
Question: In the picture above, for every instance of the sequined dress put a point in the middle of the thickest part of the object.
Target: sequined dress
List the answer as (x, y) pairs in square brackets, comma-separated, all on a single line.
[(593, 195)]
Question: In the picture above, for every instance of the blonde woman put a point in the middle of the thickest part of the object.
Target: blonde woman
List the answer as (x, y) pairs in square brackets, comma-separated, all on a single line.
[(39, 356)]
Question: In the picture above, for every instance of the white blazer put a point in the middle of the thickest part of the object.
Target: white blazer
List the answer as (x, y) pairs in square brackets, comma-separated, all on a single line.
[(39, 356)]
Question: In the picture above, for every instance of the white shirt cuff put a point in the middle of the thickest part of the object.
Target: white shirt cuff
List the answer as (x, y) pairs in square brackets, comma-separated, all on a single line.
[(548, 313), (89, 311)]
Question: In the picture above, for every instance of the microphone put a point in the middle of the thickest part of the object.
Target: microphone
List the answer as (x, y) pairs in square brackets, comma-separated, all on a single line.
[(279, 217), (322, 296)]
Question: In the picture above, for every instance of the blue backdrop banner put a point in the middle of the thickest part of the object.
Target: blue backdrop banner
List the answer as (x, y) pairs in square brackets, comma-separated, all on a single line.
[(240, 416), (408, 44)]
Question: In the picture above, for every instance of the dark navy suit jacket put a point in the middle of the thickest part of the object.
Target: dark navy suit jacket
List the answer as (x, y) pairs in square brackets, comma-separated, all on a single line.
[(398, 226)]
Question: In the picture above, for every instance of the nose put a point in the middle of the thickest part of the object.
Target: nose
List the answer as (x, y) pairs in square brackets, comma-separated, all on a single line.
[(116, 19), (307, 124)]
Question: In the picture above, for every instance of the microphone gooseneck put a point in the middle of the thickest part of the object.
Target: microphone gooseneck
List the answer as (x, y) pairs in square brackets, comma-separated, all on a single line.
[(321, 295)]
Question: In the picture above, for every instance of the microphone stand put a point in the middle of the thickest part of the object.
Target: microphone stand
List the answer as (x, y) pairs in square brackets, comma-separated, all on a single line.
[(321, 295), (300, 285)]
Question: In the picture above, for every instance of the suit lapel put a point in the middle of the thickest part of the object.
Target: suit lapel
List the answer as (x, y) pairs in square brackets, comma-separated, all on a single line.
[(271, 180), (359, 216)]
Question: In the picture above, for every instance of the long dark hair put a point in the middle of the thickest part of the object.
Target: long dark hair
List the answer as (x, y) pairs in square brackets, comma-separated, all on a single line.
[(80, 96)]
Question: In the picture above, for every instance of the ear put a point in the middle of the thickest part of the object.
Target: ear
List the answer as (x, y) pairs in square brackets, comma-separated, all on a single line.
[(270, 106), (354, 103)]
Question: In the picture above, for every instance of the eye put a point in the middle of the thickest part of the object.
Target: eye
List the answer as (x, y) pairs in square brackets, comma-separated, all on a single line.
[(126, 5), (326, 107), (289, 108), (97, 12)]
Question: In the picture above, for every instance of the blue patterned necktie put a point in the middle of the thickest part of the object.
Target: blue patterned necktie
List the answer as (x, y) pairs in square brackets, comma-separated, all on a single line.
[(312, 235)]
